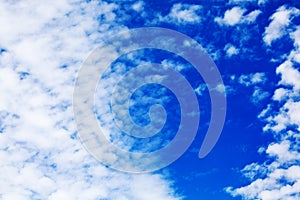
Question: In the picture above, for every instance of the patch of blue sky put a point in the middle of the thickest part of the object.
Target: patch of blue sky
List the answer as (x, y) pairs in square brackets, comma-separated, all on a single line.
[(74, 135), (2, 50), (23, 75)]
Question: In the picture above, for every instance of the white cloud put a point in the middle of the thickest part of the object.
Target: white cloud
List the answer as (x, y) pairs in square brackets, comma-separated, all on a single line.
[(280, 94), (295, 54), (259, 95), (183, 13), (40, 155), (251, 17), (280, 20), (277, 180), (272, 187), (250, 171), (296, 37), (282, 152), (138, 6), (236, 16), (262, 2), (279, 176), (289, 75), (232, 16), (243, 2), (252, 79), (231, 50)]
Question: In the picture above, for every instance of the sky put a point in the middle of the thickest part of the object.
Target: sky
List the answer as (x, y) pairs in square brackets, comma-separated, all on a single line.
[(44, 47)]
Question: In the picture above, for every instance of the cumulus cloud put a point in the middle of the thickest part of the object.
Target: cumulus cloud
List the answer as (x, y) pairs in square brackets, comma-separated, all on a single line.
[(255, 82), (279, 184), (236, 16), (231, 50), (231, 17), (295, 53), (289, 75), (41, 157), (280, 21), (280, 94)]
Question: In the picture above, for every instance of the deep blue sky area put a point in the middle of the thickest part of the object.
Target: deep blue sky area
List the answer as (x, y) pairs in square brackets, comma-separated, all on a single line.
[(242, 134)]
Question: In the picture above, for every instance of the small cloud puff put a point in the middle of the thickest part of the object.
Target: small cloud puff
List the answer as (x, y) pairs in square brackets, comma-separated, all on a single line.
[(280, 20), (230, 50), (236, 16), (252, 79), (138, 6)]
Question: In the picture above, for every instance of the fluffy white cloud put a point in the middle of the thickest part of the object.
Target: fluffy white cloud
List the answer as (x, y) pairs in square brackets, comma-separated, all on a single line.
[(138, 6), (276, 180), (232, 16), (280, 20), (236, 16), (251, 17), (280, 94), (252, 79), (295, 54), (289, 75), (231, 50), (279, 176), (279, 184), (183, 13), (41, 156)]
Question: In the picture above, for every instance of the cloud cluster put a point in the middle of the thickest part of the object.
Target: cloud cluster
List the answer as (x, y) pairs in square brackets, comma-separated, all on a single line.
[(42, 46), (252, 79), (278, 177), (182, 14), (280, 22), (236, 15), (255, 81)]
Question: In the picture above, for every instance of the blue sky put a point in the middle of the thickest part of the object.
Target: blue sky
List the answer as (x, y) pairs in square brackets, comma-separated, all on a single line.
[(256, 46)]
